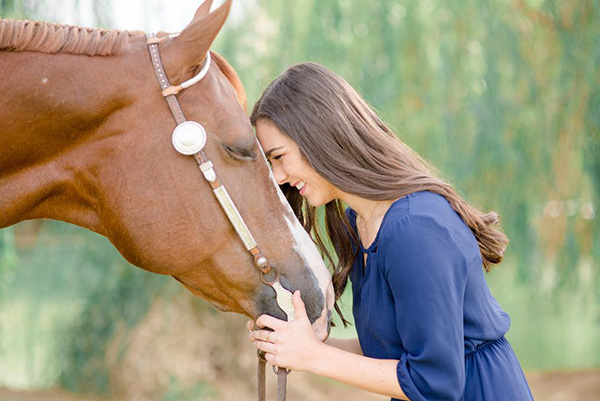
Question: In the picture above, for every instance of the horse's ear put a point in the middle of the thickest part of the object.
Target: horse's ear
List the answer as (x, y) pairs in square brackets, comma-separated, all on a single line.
[(203, 9), (186, 51)]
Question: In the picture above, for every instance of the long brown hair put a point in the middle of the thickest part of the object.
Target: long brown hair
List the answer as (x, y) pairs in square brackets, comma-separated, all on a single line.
[(343, 139)]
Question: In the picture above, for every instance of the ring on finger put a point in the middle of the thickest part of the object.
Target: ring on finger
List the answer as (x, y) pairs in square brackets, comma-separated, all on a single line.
[(268, 339)]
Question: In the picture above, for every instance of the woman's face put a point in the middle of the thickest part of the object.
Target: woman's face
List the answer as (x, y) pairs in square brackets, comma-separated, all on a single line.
[(289, 167)]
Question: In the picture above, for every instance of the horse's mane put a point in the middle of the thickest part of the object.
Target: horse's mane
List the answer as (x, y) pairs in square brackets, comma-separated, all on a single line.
[(232, 77), (46, 37)]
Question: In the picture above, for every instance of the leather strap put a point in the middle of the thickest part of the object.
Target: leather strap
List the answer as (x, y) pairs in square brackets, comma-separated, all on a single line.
[(262, 378), (169, 93), (282, 375), (163, 81)]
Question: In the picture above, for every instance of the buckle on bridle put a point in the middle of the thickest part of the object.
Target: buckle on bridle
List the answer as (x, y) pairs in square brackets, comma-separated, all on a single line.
[(262, 263)]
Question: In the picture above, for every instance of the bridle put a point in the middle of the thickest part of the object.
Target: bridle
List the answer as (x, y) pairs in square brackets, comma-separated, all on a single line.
[(189, 138)]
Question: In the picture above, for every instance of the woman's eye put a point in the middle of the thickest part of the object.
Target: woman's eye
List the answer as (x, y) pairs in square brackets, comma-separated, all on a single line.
[(276, 157)]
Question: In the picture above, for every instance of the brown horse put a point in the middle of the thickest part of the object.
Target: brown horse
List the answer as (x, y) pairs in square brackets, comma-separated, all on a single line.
[(86, 139)]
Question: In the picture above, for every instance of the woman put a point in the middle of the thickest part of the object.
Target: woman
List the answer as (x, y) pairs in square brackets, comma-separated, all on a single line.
[(428, 326)]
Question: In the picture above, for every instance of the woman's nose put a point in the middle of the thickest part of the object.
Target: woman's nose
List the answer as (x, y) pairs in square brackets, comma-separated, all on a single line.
[(279, 174)]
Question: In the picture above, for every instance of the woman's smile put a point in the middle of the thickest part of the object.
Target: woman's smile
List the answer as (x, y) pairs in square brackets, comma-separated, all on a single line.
[(290, 167), (301, 187), (428, 326)]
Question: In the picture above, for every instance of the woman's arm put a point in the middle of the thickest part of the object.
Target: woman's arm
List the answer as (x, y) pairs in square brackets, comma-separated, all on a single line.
[(374, 375), (295, 346), (347, 344)]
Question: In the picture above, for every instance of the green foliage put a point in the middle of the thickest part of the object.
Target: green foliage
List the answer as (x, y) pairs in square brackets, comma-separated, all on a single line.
[(71, 297), (178, 392), (8, 257), (12, 9), (117, 300), (502, 97)]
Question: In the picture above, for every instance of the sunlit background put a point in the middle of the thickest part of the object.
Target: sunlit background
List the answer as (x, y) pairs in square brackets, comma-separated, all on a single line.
[(502, 96)]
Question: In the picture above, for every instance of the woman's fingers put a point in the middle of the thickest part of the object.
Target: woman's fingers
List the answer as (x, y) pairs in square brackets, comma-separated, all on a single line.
[(270, 353), (266, 346), (263, 335), (286, 343), (271, 322)]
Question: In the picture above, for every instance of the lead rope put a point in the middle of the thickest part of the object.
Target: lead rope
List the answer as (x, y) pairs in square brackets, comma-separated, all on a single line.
[(189, 138), (282, 375)]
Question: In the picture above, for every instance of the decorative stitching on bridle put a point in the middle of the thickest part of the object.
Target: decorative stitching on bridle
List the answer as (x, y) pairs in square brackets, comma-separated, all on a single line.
[(283, 296)]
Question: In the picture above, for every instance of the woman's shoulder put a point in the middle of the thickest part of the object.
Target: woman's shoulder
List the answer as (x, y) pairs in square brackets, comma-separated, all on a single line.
[(426, 203), (418, 206), (425, 215), (417, 213), (426, 231)]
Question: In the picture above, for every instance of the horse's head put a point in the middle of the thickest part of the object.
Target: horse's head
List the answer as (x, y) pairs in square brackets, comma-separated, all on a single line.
[(156, 207)]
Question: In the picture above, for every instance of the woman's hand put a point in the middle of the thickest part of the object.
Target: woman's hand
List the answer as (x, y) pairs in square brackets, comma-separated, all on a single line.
[(292, 345)]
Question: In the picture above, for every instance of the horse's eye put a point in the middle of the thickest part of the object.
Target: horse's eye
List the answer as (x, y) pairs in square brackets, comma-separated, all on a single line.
[(240, 153)]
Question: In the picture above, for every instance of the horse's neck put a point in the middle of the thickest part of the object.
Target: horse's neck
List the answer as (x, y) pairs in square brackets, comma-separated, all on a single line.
[(52, 114)]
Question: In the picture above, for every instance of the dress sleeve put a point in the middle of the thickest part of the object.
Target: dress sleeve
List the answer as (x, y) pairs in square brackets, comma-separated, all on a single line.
[(426, 271)]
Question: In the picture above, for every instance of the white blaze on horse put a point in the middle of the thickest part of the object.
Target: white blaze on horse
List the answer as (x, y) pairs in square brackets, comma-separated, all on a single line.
[(87, 139)]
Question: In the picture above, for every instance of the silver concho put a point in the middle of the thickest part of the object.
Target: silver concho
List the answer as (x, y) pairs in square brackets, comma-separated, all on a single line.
[(189, 137)]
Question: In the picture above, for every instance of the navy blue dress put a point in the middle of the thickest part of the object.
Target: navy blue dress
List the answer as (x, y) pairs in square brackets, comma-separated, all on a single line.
[(422, 298)]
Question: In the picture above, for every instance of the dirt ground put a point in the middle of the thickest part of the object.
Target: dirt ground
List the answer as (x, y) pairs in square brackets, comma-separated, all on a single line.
[(565, 386), (546, 386)]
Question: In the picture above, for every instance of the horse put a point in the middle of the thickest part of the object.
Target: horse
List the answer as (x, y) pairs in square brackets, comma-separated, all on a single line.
[(86, 139)]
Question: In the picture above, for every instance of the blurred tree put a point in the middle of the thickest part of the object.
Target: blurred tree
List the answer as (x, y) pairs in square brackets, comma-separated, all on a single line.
[(502, 97), (102, 13), (12, 9)]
